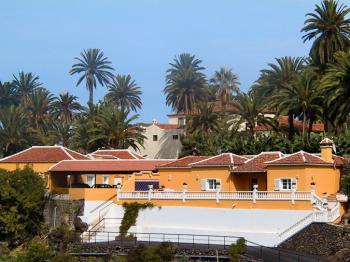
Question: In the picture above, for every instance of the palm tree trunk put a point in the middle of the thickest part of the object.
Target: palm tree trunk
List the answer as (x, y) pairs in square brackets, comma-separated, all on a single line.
[(91, 95), (311, 122), (304, 120), (290, 126)]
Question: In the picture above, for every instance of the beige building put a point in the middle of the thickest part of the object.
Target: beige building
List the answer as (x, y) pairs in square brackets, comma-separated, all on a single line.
[(162, 141)]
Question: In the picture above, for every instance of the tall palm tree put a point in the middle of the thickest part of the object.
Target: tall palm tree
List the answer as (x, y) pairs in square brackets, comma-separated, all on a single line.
[(336, 87), (94, 68), (39, 107), (329, 28), (8, 95), (115, 130), (302, 96), (249, 110), (125, 93), (276, 77), (15, 131), (205, 120), (185, 83), (25, 84), (64, 106), (226, 83)]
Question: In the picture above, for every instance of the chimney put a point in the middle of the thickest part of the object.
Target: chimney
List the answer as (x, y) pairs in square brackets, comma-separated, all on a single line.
[(326, 150)]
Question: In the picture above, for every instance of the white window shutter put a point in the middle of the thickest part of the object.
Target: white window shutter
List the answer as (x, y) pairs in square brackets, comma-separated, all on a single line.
[(203, 184), (295, 181), (276, 185)]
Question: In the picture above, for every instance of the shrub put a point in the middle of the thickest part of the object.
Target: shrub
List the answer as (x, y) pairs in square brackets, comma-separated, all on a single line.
[(131, 212), (36, 252), (21, 205), (61, 237), (235, 250), (164, 252)]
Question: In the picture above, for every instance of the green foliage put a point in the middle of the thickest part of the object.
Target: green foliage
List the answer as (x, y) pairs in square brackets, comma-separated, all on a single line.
[(345, 185), (159, 253), (21, 205), (131, 211), (185, 83), (61, 237), (94, 68), (35, 252), (235, 250), (63, 257), (125, 93)]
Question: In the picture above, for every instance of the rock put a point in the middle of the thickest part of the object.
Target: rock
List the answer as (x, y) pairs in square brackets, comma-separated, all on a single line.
[(342, 255), (79, 225)]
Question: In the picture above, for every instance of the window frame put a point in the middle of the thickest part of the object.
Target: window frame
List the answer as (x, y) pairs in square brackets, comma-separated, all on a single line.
[(93, 179), (288, 184), (175, 137), (208, 184), (155, 138), (103, 180)]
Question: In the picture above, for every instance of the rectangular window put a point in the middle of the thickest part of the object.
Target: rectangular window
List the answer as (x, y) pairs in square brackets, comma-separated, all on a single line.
[(106, 180), (286, 184), (90, 180), (181, 121), (211, 184), (175, 137), (155, 138)]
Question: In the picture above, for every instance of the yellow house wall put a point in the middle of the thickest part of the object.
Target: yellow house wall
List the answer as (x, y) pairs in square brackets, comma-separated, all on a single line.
[(37, 167), (298, 172), (326, 178), (93, 194)]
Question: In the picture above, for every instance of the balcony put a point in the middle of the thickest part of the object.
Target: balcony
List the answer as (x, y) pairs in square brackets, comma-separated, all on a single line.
[(215, 195)]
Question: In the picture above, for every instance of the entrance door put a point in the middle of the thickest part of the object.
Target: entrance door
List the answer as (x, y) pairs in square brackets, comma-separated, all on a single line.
[(253, 181)]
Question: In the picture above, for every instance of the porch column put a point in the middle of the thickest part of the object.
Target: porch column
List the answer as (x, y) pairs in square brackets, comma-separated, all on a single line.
[(294, 189), (118, 192), (218, 189), (150, 187), (184, 190), (312, 193), (255, 193)]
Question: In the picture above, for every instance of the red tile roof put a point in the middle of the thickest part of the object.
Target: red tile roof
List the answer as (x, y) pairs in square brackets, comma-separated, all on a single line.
[(299, 158), (283, 122), (131, 165), (44, 154), (184, 162), (116, 154), (257, 164), (340, 160), (169, 126), (225, 159)]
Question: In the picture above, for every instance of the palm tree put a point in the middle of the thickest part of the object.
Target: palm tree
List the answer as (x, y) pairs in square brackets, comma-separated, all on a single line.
[(205, 120), (330, 30), (15, 131), (226, 83), (249, 110), (125, 93), (8, 95), (39, 107), (275, 78), (115, 130), (64, 106), (302, 96), (25, 84), (94, 68), (336, 88), (185, 83)]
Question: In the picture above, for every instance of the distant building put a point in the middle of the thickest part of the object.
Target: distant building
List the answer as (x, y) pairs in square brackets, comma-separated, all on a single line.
[(162, 141)]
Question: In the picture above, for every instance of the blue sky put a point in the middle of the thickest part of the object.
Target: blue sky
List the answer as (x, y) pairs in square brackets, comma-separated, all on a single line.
[(142, 37)]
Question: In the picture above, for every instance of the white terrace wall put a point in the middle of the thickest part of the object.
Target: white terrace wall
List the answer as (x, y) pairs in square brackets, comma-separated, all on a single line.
[(259, 226)]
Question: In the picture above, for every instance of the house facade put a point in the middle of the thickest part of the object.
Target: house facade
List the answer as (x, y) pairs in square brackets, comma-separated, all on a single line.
[(162, 141)]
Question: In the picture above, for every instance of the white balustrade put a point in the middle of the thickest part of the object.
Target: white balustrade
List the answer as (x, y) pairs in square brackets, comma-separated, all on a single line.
[(215, 195)]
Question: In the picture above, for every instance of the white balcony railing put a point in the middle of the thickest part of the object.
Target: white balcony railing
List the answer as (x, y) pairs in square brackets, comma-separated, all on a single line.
[(215, 195)]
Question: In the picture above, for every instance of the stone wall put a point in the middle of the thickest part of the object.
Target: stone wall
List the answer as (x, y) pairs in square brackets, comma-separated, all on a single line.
[(57, 212), (319, 239)]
